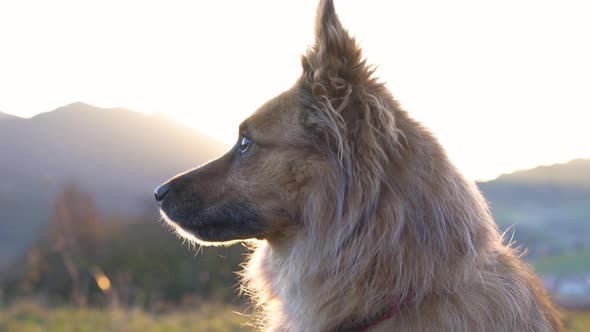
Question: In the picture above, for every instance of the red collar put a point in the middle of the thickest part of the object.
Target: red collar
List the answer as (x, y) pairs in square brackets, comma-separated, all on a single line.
[(367, 324)]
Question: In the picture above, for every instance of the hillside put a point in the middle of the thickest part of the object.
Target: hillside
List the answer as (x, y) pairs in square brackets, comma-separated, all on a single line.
[(549, 207), (6, 116), (575, 173), (117, 155)]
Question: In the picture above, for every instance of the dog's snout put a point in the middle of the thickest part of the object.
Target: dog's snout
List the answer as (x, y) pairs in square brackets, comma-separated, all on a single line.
[(161, 192)]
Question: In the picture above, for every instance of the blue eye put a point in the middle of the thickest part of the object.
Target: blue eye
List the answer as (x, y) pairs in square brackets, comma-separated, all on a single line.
[(244, 144)]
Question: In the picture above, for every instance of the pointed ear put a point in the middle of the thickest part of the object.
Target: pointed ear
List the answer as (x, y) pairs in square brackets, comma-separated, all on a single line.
[(335, 60), (328, 29)]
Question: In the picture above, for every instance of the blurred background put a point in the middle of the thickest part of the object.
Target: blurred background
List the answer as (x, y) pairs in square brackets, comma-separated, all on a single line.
[(102, 101)]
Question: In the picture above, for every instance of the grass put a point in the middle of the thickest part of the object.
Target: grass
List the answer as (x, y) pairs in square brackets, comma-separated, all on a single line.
[(31, 317), (577, 321)]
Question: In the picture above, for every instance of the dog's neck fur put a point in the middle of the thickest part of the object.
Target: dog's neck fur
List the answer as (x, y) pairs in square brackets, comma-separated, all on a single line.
[(418, 239), (395, 222)]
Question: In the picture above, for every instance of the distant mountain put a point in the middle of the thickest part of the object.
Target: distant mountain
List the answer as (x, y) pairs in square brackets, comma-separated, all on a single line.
[(574, 173), (115, 154), (549, 207), (6, 116)]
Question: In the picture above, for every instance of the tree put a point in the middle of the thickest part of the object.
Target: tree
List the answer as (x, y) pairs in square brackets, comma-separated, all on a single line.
[(69, 246)]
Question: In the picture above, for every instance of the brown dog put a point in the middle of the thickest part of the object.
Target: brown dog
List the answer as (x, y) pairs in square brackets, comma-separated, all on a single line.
[(362, 220)]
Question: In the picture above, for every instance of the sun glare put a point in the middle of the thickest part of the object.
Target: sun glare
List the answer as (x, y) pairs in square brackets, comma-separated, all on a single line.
[(503, 84)]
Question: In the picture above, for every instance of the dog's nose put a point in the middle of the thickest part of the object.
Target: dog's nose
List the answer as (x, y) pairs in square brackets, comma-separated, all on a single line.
[(161, 192)]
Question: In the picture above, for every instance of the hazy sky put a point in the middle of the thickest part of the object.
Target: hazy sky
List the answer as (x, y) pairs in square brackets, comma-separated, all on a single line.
[(504, 84)]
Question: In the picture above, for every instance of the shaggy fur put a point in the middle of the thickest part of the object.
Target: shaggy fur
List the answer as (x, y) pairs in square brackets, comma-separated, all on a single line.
[(358, 210)]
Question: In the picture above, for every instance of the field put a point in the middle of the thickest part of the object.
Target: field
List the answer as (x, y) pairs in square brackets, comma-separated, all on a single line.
[(571, 262), (578, 321), (30, 317)]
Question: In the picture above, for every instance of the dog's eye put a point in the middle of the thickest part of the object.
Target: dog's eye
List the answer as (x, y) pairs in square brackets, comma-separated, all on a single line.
[(244, 144)]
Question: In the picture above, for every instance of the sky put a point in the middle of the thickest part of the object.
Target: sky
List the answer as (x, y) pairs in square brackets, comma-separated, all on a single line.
[(503, 84)]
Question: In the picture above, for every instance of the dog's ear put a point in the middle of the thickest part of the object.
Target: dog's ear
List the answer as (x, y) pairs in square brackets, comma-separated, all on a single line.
[(338, 84), (335, 60)]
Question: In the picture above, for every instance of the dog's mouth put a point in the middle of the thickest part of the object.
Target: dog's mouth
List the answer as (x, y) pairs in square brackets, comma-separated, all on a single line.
[(202, 232), (216, 224)]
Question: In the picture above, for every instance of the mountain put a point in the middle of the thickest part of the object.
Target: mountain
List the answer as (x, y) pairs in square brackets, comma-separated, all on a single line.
[(116, 155), (575, 173), (547, 208), (6, 116)]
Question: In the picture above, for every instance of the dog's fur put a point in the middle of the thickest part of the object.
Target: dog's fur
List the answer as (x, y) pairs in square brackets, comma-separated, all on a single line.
[(358, 210)]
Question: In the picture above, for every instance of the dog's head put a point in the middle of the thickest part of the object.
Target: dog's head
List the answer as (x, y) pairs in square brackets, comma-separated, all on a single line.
[(294, 156)]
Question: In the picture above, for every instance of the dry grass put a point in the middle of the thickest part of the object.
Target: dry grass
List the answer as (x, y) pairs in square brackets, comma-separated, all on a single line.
[(578, 320), (31, 317)]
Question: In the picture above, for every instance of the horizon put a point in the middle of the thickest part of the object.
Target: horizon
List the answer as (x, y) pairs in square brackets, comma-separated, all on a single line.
[(81, 103), (500, 97)]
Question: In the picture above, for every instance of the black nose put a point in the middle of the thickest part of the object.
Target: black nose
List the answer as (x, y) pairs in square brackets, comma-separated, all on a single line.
[(161, 192)]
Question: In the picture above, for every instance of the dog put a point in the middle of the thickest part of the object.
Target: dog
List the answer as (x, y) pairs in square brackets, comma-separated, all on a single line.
[(359, 220)]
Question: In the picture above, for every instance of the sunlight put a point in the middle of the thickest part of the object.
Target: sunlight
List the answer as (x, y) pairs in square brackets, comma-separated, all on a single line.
[(503, 84), (103, 101)]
